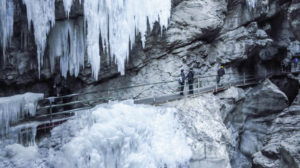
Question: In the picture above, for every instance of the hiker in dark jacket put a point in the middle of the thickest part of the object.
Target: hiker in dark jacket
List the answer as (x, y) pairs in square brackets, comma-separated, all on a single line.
[(190, 77), (221, 72), (181, 81), (286, 65)]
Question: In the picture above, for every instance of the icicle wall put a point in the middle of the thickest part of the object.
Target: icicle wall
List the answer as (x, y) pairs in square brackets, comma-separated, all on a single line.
[(6, 24), (116, 21)]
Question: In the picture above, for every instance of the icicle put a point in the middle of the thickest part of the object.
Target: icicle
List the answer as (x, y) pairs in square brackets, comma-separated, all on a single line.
[(251, 3), (15, 108), (6, 23), (117, 19), (41, 13), (67, 41), (68, 5)]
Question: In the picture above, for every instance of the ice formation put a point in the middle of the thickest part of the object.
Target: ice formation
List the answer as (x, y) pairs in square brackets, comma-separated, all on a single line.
[(116, 21), (41, 13), (67, 6), (119, 135), (23, 157), (251, 3), (15, 108), (6, 23), (126, 135), (67, 42)]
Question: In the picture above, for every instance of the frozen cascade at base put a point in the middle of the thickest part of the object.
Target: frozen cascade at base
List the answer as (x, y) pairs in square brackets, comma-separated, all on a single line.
[(119, 135), (41, 13), (6, 23), (15, 108), (67, 42)]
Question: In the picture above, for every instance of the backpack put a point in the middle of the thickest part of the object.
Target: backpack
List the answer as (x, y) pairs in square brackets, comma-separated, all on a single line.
[(180, 80), (221, 72)]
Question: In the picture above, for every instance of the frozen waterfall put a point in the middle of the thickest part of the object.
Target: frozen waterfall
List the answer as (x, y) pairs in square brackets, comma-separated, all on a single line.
[(67, 42), (6, 23), (41, 13), (116, 21), (119, 135)]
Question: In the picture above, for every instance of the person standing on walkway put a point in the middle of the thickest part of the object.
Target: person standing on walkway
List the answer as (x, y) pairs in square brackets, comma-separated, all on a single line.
[(295, 62), (182, 81), (286, 65), (190, 77), (221, 72)]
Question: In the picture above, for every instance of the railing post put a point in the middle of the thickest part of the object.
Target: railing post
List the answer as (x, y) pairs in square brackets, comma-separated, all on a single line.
[(198, 86), (205, 151), (244, 78), (153, 95), (51, 112)]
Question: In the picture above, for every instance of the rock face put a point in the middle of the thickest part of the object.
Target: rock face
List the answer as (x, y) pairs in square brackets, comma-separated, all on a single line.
[(264, 100), (251, 120), (195, 20), (293, 17), (283, 146)]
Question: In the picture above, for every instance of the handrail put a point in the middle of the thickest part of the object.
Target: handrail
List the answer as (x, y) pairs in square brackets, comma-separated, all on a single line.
[(129, 87), (108, 98), (71, 103), (196, 91)]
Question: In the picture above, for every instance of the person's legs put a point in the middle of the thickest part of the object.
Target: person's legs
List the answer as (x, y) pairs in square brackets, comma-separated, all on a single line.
[(191, 88), (181, 89), (218, 79)]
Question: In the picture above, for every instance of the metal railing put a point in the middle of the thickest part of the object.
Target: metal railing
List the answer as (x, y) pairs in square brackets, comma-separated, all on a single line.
[(170, 88)]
